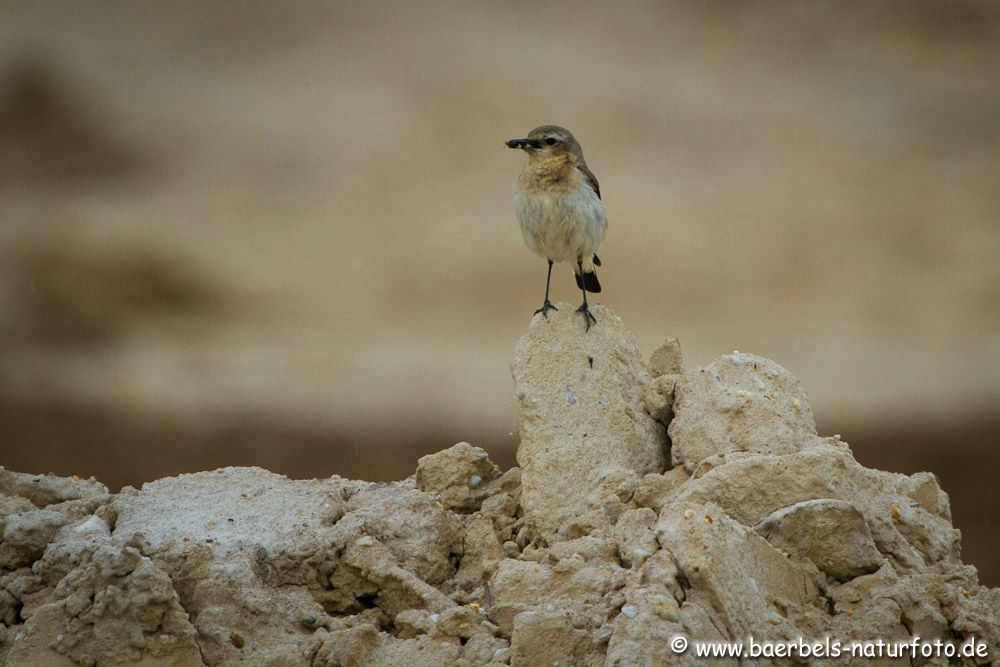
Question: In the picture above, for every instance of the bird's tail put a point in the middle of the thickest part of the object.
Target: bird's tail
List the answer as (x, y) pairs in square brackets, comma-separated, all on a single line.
[(588, 281)]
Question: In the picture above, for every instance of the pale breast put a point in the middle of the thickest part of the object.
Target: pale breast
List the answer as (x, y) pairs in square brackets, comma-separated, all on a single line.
[(562, 226)]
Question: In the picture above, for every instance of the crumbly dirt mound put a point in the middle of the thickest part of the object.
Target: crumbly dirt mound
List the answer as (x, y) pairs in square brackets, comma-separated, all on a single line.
[(651, 502)]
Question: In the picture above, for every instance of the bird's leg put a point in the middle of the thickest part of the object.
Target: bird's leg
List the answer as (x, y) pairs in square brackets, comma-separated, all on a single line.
[(588, 317), (547, 306)]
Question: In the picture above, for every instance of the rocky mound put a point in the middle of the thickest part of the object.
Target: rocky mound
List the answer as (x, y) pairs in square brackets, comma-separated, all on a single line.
[(650, 502)]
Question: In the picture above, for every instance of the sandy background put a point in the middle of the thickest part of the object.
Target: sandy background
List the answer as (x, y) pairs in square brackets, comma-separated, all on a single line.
[(281, 234)]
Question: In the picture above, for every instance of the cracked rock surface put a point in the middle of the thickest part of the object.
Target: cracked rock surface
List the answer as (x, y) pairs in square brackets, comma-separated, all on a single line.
[(650, 501), (585, 438)]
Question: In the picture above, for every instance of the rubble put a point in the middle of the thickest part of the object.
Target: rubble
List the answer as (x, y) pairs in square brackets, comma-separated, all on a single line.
[(651, 503)]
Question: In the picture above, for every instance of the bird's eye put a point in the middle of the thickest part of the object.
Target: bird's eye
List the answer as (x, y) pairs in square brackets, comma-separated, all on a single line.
[(550, 141)]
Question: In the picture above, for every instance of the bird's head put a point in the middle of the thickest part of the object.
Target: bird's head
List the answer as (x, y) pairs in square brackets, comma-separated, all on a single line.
[(548, 141)]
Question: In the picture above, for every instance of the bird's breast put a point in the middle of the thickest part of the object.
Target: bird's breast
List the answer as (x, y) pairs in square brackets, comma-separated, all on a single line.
[(561, 226), (555, 176)]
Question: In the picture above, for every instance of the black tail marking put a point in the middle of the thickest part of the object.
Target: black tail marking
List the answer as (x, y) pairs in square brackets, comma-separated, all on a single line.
[(588, 281)]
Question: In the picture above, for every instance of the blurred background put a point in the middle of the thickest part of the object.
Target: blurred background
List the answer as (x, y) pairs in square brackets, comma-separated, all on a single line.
[(281, 233)]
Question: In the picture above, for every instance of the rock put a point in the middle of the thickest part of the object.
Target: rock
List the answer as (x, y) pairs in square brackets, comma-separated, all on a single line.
[(590, 555), (45, 490), (894, 606), (635, 537), (642, 632), (482, 649), (481, 553), (831, 533), (501, 509), (414, 622), (26, 534), (115, 609), (975, 615), (655, 490), (420, 533), (460, 476), (666, 359), (34, 507), (365, 646), (396, 588), (462, 623), (739, 403), (658, 398), (745, 583), (520, 586), (583, 427), (551, 638), (249, 553), (749, 488)]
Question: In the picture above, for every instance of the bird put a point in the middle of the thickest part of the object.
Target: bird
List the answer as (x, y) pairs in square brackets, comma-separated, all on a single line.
[(559, 210)]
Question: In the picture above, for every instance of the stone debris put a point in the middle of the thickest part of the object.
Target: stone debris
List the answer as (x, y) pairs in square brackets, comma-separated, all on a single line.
[(739, 403), (666, 359), (806, 529), (609, 541), (460, 476)]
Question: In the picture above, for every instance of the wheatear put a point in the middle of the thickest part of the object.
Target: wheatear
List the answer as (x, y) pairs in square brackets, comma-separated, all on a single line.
[(559, 208)]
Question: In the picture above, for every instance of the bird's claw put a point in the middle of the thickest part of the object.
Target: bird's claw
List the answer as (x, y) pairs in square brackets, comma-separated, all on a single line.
[(546, 307), (588, 317)]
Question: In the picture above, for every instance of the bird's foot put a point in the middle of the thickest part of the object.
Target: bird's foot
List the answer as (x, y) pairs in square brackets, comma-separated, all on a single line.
[(546, 307), (588, 317)]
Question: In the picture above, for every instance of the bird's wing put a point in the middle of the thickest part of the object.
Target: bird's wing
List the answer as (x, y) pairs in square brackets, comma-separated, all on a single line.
[(590, 179)]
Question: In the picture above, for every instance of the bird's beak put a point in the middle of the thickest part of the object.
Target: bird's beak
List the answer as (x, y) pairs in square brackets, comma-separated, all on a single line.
[(523, 143)]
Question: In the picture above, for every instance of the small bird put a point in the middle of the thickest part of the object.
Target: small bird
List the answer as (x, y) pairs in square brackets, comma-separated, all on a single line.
[(559, 208)]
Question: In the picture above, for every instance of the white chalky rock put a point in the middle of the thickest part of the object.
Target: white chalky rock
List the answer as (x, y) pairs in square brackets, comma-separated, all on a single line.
[(739, 403), (575, 454)]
